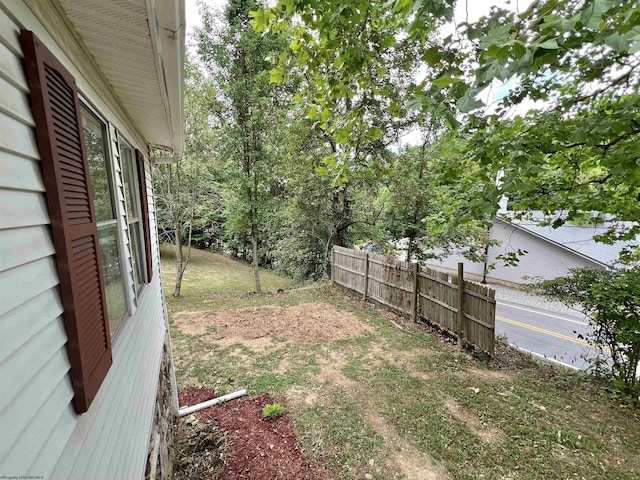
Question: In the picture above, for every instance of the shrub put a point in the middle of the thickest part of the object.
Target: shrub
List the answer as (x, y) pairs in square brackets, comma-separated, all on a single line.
[(271, 411), (611, 301)]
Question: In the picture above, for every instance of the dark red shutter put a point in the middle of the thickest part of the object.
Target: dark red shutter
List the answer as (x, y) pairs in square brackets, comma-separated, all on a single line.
[(142, 179), (56, 112)]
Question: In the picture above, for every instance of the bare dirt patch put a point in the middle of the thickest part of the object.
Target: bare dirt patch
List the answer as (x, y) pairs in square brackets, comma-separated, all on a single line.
[(403, 359), (283, 366), (331, 371), (257, 327), (483, 374), (193, 323), (297, 396), (486, 433), (409, 461)]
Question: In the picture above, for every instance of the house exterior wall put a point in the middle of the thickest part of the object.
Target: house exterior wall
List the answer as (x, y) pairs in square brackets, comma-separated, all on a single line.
[(544, 259), (41, 435)]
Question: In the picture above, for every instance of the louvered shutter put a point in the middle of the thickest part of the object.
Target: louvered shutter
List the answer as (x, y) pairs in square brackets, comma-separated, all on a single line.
[(56, 112), (142, 179)]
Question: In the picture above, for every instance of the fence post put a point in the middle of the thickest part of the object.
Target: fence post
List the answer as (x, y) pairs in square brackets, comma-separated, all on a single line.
[(460, 305), (366, 276), (414, 304), (333, 265)]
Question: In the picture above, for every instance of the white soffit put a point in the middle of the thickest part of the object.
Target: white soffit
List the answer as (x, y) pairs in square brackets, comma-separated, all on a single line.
[(139, 46)]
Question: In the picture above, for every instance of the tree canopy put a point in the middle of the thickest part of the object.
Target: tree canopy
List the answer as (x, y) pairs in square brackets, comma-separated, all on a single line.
[(296, 114), (575, 61)]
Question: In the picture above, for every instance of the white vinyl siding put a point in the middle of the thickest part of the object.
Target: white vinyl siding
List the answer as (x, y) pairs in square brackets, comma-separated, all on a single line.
[(40, 432), (24, 245), (33, 359), (15, 136), (10, 64), (19, 208), (17, 332), (15, 106), (25, 173)]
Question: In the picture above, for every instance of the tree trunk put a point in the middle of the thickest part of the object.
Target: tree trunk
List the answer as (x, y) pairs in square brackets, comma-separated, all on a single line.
[(180, 261), (256, 272), (179, 275), (341, 209), (327, 248), (409, 249)]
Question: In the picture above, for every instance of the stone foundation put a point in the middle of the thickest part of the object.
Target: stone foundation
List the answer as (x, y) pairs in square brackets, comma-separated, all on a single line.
[(161, 448)]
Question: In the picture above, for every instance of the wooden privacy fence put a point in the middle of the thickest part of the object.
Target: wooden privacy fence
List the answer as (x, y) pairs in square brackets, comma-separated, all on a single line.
[(422, 293)]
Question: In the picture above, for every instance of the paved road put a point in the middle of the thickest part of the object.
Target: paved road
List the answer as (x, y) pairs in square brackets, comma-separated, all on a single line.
[(545, 333)]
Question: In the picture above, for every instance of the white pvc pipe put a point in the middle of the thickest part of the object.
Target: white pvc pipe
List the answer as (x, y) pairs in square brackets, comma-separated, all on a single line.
[(209, 403)]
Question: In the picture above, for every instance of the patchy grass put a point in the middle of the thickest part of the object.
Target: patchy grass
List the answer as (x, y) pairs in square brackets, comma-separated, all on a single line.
[(216, 281), (389, 403)]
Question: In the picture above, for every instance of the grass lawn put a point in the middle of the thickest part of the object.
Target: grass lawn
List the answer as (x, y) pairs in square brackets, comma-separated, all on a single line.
[(372, 395)]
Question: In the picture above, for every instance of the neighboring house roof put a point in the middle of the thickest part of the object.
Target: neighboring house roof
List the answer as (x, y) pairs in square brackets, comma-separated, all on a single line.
[(574, 238), (139, 46)]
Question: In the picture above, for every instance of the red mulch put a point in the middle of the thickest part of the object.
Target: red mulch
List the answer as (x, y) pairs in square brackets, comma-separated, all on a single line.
[(259, 449)]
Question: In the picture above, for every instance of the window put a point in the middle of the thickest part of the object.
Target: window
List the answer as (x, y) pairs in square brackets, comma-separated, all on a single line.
[(132, 201), (100, 173)]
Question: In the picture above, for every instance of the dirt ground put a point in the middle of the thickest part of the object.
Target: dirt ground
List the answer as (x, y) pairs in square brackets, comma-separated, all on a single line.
[(258, 327)]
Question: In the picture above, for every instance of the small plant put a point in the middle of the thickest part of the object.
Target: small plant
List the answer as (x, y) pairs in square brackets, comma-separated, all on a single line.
[(271, 411)]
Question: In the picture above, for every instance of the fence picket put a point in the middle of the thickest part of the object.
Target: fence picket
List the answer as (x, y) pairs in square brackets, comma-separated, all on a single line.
[(420, 292)]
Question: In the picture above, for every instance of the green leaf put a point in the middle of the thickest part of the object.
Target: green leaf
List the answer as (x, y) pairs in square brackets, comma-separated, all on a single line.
[(494, 50), (432, 56), (617, 43), (261, 19), (375, 133), (415, 102), (325, 115), (446, 81), (312, 113), (603, 6), (451, 120), (276, 75), (469, 102), (550, 44), (341, 136), (330, 160)]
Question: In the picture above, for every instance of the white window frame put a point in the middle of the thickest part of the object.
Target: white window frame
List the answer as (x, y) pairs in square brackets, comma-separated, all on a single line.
[(137, 220), (115, 184)]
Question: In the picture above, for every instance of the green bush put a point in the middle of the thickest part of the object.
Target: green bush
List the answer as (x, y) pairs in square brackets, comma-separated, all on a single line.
[(611, 301)]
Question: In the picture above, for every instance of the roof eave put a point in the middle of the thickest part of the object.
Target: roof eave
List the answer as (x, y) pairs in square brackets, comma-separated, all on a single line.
[(167, 28)]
